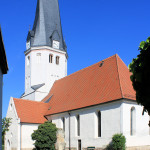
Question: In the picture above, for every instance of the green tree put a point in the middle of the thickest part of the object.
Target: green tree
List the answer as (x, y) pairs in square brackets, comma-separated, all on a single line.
[(140, 68), (45, 136), (6, 122)]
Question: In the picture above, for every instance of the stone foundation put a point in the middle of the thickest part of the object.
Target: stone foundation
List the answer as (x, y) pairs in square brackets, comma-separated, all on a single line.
[(128, 148), (72, 148), (138, 148), (92, 149), (26, 148), (21, 148), (60, 144), (13, 148)]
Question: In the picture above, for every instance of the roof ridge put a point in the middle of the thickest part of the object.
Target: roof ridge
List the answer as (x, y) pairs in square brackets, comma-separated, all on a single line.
[(119, 75), (86, 68)]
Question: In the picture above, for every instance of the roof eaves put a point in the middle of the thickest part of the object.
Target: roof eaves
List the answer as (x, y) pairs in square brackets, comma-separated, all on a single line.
[(31, 122), (86, 107)]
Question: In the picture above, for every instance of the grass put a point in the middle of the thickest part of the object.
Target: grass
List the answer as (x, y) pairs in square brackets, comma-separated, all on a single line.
[(2, 147)]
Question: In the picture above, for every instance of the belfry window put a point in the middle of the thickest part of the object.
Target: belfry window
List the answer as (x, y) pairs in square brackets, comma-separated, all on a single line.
[(57, 60), (38, 57), (133, 121), (50, 58), (78, 125), (99, 123)]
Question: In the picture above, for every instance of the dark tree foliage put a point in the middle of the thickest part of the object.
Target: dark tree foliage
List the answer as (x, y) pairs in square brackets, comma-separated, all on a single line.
[(140, 68), (45, 136), (118, 142), (6, 122)]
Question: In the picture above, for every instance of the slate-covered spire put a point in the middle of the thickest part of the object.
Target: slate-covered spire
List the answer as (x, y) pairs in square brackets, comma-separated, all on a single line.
[(47, 25)]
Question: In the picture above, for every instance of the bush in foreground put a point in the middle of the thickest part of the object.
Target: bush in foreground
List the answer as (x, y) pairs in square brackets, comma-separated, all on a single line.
[(45, 136), (118, 143)]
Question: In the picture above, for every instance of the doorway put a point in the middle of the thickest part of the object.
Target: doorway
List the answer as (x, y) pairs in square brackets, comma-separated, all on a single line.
[(79, 144)]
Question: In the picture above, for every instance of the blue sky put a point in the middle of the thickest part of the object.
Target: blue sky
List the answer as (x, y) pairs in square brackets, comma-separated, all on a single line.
[(93, 31)]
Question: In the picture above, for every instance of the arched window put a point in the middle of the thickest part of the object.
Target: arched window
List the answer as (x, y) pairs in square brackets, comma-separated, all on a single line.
[(133, 121), (78, 125), (57, 60), (10, 107), (63, 122), (99, 123), (50, 58), (28, 60), (8, 145)]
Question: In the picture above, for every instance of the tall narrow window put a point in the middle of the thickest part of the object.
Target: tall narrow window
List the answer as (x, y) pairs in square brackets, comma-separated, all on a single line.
[(63, 122), (99, 123), (78, 125), (38, 57), (28, 60), (57, 60), (50, 58), (133, 121), (26, 82)]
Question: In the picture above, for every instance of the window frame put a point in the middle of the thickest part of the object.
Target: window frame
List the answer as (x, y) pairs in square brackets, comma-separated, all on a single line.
[(63, 123), (51, 58), (57, 60), (99, 124), (38, 57), (132, 121), (28, 60), (78, 124)]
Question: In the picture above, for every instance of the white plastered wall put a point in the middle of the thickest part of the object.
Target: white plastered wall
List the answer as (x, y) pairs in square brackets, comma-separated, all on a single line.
[(13, 135), (26, 132), (19, 134), (141, 136), (110, 117), (115, 119)]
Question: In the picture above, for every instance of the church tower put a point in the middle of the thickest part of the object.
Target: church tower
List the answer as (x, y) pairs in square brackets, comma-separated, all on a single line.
[(46, 51)]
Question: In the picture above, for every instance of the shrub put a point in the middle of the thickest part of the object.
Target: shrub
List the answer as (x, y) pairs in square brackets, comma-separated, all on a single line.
[(109, 146), (45, 136), (118, 142)]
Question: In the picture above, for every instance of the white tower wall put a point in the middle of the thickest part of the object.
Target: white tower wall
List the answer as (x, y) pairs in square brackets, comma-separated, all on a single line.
[(38, 70)]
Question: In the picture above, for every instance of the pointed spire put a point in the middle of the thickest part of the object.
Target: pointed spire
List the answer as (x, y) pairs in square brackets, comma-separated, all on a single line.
[(47, 25)]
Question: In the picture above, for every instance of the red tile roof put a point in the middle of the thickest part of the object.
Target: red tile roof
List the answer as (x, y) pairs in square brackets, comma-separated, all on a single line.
[(88, 87), (91, 86), (30, 111)]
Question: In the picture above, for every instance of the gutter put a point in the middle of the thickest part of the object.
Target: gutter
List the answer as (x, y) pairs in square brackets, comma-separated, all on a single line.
[(112, 101)]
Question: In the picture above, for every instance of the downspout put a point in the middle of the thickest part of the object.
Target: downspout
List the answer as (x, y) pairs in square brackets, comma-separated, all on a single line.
[(20, 136), (69, 132)]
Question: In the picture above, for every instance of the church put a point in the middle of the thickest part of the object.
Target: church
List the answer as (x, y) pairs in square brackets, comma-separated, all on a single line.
[(90, 105)]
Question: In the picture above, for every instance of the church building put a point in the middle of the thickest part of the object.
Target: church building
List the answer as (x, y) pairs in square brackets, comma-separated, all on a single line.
[(90, 105)]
